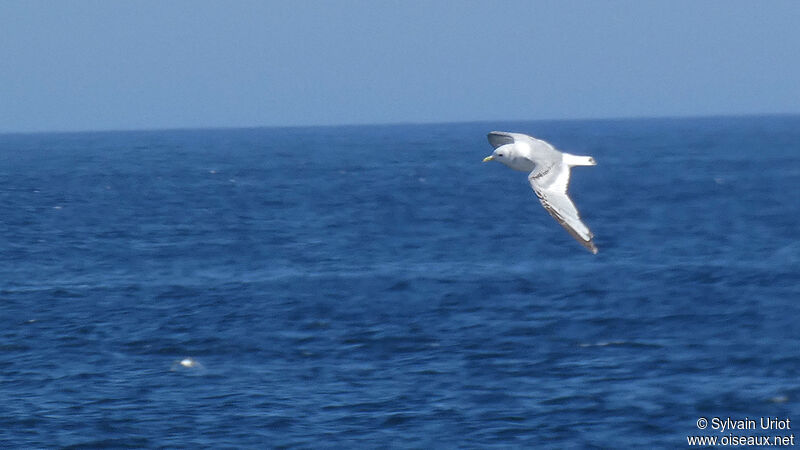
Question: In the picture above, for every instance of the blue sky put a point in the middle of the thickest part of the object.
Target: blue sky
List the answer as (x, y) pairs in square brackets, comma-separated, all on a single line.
[(97, 65)]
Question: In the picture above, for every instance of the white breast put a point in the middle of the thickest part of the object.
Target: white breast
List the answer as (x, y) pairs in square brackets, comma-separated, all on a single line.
[(517, 157)]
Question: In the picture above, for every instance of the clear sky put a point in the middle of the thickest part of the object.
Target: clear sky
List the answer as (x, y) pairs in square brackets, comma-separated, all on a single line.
[(96, 65)]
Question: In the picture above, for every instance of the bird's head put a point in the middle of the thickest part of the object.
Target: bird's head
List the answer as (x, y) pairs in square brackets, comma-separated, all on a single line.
[(501, 154)]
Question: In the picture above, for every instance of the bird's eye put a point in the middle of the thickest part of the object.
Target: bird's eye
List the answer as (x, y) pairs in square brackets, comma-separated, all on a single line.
[(500, 155)]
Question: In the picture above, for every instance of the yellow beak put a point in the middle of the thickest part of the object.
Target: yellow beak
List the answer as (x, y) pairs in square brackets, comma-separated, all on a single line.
[(488, 158)]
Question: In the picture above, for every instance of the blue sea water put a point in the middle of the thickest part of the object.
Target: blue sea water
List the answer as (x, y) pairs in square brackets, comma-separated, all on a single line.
[(378, 286)]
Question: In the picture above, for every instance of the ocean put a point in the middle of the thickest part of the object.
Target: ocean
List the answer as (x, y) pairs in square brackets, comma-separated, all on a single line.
[(378, 286)]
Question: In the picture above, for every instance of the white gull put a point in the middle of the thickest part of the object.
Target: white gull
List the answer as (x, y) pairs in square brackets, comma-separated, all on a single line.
[(549, 171)]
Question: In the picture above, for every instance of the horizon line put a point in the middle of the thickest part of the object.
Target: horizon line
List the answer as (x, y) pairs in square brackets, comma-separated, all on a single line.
[(400, 123)]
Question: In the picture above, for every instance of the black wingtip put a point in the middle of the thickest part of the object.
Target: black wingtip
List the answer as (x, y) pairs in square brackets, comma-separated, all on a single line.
[(589, 245)]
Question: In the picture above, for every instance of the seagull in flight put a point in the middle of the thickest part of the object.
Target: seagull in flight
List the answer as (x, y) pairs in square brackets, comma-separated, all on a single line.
[(548, 171)]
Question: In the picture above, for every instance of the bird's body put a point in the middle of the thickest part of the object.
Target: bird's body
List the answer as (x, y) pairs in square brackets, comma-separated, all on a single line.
[(548, 174)]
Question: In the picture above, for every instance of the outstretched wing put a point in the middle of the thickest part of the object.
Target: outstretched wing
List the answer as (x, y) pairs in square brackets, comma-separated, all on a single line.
[(550, 185), (498, 138)]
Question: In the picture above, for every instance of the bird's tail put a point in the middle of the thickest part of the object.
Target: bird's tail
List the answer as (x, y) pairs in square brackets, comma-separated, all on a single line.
[(575, 160)]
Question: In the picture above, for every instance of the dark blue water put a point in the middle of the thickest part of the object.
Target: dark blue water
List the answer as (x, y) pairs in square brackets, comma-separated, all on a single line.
[(379, 286)]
